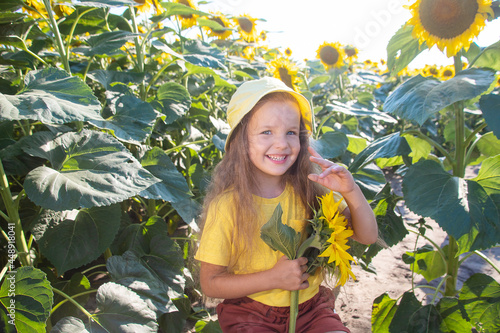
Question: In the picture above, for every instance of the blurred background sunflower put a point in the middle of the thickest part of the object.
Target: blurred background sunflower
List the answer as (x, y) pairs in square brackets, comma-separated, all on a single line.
[(226, 26), (146, 6), (331, 55), (449, 24), (285, 70), (247, 28), (189, 20)]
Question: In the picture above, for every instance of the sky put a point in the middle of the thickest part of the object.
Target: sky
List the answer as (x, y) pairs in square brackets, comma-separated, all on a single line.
[(304, 25)]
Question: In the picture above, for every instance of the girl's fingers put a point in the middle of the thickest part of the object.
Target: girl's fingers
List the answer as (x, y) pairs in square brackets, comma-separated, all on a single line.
[(314, 152)]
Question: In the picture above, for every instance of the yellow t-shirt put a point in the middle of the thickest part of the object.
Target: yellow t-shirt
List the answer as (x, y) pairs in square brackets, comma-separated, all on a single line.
[(216, 242)]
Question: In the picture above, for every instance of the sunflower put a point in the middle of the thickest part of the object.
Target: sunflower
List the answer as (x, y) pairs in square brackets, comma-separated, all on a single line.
[(248, 52), (263, 35), (331, 55), (35, 8), (336, 251), (189, 20), (285, 70), (288, 52), (430, 70), (223, 22), (446, 72), (147, 5), (449, 24), (351, 53), (246, 28)]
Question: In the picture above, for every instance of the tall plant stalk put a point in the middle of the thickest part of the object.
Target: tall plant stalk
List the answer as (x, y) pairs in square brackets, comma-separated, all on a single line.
[(58, 39), (14, 219)]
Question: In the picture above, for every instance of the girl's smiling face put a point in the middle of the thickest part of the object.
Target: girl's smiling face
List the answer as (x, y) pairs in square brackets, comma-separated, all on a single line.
[(273, 138)]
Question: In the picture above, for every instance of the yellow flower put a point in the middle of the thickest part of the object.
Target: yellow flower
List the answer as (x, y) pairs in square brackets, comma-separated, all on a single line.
[(247, 28), (248, 52), (288, 52), (187, 21), (331, 55), (449, 24), (35, 8), (336, 252), (329, 206), (351, 53), (147, 5), (285, 70), (447, 72), (223, 22), (263, 35)]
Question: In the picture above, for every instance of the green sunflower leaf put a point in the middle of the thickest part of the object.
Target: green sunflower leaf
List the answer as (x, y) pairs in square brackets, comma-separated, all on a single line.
[(383, 310), (87, 169), (489, 57), (407, 307), (51, 96), (31, 305), (426, 319), (451, 310), (429, 263), (108, 43), (331, 144), (173, 187), (402, 49), (173, 100), (117, 308), (132, 121), (70, 239), (385, 147), (481, 298), (279, 236), (421, 97), (356, 109), (490, 106), (461, 207)]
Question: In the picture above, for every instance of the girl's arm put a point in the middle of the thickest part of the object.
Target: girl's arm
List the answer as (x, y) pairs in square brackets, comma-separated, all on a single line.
[(287, 274), (339, 179)]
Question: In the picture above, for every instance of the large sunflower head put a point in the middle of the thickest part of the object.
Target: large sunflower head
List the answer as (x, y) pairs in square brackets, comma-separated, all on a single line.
[(247, 28), (331, 55), (189, 20), (449, 24), (224, 22), (285, 70)]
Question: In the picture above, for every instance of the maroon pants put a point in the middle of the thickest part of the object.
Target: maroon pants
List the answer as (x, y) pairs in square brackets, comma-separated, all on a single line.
[(244, 315)]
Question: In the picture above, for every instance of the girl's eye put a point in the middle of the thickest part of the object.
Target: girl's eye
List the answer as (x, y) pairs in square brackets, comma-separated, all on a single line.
[(266, 132), (292, 133)]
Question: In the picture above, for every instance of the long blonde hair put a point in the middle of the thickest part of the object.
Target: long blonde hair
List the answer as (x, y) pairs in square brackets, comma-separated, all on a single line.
[(235, 173)]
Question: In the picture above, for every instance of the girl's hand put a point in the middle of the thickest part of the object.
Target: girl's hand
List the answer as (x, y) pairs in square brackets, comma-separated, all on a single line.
[(290, 274), (334, 176)]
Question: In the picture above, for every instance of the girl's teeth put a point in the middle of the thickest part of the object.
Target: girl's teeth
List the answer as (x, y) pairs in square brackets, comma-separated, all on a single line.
[(274, 158)]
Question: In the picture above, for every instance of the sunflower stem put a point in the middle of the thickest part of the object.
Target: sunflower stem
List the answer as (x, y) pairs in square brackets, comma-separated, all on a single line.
[(294, 310), (58, 39)]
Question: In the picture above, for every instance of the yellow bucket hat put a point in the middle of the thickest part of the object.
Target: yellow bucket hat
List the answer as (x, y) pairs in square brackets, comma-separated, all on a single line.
[(250, 92)]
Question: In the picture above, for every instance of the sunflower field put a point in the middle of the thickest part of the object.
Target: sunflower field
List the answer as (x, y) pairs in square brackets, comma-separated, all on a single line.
[(112, 117)]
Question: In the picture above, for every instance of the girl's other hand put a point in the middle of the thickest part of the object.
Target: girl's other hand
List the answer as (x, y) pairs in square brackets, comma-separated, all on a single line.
[(291, 274), (333, 176)]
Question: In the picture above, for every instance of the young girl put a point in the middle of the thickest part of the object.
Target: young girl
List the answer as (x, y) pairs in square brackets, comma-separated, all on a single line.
[(268, 161)]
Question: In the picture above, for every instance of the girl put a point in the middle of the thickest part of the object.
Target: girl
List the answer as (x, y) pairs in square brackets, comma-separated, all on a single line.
[(268, 161)]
